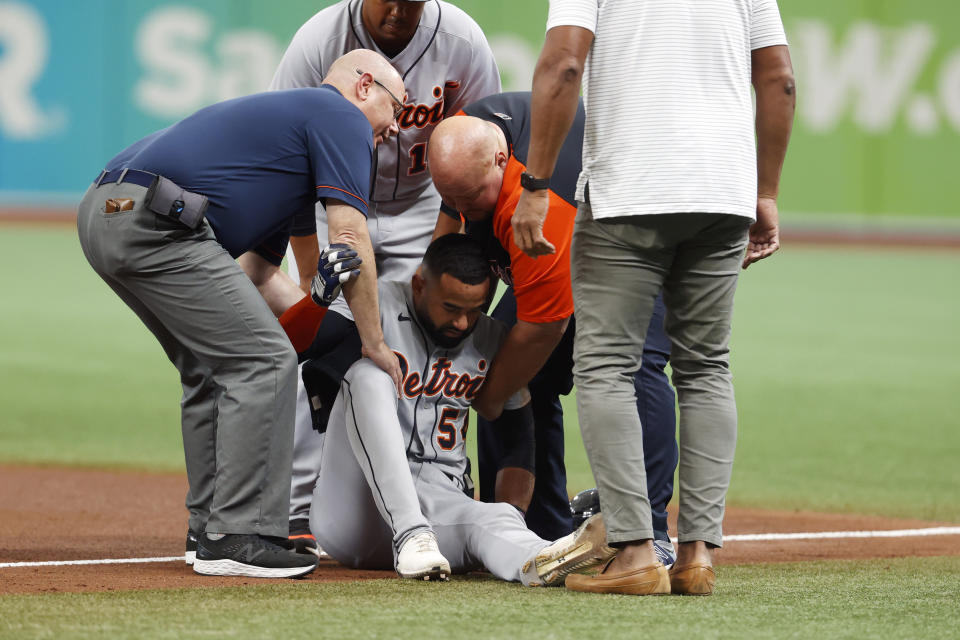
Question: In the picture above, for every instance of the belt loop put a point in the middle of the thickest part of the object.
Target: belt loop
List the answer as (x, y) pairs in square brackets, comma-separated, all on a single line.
[(123, 174), (100, 177)]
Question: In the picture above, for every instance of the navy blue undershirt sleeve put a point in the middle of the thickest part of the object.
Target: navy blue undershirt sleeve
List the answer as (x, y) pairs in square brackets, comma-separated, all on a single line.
[(304, 223), (274, 247)]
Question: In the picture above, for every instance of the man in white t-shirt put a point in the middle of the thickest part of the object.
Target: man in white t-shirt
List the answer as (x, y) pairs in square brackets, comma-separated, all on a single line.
[(675, 195)]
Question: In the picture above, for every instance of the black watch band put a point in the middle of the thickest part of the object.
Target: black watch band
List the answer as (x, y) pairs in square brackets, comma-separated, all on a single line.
[(528, 182)]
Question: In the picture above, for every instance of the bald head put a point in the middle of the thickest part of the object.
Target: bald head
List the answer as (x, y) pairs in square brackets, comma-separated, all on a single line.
[(467, 158), (356, 75), (343, 71)]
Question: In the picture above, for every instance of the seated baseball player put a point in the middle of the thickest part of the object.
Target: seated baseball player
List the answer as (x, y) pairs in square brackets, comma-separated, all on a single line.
[(391, 491)]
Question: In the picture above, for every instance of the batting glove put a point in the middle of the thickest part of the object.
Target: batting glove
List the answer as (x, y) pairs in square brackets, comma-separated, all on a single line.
[(339, 264)]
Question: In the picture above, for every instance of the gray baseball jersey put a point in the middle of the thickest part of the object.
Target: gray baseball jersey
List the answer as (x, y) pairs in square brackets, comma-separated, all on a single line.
[(394, 467), (447, 65), (438, 383)]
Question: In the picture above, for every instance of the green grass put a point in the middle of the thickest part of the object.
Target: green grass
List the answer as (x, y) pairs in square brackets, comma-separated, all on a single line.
[(847, 378), (846, 371), (902, 598), (845, 362), (82, 381)]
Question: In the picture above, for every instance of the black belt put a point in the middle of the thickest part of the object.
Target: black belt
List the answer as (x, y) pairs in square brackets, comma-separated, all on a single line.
[(141, 178)]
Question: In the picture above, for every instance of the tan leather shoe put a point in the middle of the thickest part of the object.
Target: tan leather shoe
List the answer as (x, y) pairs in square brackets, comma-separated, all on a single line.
[(649, 581), (692, 580)]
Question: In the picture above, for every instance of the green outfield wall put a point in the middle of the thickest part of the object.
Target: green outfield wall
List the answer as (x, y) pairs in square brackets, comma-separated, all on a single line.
[(877, 132)]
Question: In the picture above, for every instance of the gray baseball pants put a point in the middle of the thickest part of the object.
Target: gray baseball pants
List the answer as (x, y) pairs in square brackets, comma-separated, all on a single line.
[(237, 367), (619, 265), (370, 498)]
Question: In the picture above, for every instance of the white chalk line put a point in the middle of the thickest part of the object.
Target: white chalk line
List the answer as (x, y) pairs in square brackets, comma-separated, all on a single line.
[(743, 537), (68, 563), (832, 535)]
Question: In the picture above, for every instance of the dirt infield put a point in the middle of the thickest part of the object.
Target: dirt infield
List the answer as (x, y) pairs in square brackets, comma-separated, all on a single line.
[(52, 514)]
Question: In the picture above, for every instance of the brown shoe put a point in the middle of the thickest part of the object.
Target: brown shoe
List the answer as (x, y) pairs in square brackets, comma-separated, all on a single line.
[(692, 580), (649, 581)]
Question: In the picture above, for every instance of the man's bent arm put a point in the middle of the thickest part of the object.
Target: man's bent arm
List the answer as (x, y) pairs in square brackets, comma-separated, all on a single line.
[(276, 287), (773, 83), (348, 226), (522, 354), (553, 107)]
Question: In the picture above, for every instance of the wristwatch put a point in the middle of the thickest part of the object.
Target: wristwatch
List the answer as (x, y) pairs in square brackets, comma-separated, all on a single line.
[(528, 182)]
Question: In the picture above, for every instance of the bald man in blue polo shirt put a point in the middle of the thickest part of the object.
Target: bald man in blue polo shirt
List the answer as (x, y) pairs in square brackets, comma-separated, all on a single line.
[(163, 225)]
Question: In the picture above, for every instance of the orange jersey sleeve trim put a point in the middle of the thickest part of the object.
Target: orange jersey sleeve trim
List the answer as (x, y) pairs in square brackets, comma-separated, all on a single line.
[(264, 247), (326, 186)]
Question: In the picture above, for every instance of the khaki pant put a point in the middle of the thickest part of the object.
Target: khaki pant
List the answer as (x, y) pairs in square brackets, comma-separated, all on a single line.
[(237, 367), (619, 266)]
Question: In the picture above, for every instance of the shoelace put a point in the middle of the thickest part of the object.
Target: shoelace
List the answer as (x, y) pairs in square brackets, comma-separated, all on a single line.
[(424, 542)]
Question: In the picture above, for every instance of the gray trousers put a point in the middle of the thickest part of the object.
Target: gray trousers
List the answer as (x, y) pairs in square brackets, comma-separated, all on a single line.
[(619, 266), (370, 498), (237, 367)]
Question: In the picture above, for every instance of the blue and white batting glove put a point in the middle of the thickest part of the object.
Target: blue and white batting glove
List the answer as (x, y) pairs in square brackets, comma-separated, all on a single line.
[(339, 264)]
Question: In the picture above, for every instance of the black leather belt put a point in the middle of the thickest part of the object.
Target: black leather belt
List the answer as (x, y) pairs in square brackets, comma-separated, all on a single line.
[(141, 178)]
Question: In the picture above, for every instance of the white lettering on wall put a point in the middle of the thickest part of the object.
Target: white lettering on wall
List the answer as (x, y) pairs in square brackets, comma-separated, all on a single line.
[(181, 75), (24, 49), (248, 60), (869, 74), (168, 45)]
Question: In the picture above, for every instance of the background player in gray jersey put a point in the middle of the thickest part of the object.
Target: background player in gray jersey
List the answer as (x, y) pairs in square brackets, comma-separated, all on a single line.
[(446, 63), (391, 489)]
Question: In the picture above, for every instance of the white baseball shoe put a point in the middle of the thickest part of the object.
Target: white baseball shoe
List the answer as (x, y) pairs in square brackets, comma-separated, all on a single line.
[(582, 551), (420, 558)]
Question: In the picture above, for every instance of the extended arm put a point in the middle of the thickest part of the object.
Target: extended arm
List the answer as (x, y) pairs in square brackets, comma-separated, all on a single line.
[(556, 90), (348, 226), (274, 285), (774, 85), (522, 354)]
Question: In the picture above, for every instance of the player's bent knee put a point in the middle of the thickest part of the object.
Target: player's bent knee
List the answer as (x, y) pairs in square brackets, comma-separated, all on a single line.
[(365, 377)]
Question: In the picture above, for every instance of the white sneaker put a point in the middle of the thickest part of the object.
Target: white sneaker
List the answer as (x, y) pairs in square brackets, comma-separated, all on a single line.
[(420, 558), (582, 551)]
